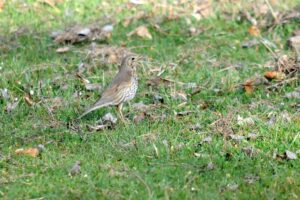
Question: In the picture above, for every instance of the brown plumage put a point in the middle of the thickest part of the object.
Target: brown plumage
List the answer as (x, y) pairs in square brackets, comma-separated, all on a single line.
[(122, 88)]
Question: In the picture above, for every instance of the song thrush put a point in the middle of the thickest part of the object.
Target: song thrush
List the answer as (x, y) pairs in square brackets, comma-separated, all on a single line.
[(122, 88)]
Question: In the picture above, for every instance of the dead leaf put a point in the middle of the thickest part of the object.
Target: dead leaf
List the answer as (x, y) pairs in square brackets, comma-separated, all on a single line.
[(210, 166), (248, 86), (149, 137), (252, 136), (62, 49), (288, 65), (207, 140), (290, 155), (99, 127), (33, 152), (141, 31), (275, 75), (79, 34), (291, 15), (93, 86), (244, 121), (4, 94), (232, 186), (11, 106), (295, 94), (139, 117), (236, 138), (75, 169), (157, 99), (28, 100), (183, 113), (105, 54), (139, 15), (254, 31), (52, 4), (2, 2), (250, 179), (250, 43), (108, 28), (53, 103), (137, 2), (253, 82), (223, 125), (140, 106), (249, 151), (179, 96), (195, 127), (202, 9), (109, 119), (157, 81)]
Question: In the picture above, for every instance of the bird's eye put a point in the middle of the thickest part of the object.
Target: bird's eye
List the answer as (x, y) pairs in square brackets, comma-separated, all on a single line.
[(132, 58)]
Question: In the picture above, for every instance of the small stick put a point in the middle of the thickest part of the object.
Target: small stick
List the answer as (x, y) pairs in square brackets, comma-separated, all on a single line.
[(272, 11)]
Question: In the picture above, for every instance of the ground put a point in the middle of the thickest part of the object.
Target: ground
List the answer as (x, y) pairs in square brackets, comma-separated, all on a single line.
[(231, 144)]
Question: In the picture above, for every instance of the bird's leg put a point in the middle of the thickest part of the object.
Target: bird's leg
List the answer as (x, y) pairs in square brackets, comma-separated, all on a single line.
[(120, 106)]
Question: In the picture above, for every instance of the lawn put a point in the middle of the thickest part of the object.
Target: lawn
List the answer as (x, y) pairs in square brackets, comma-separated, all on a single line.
[(195, 130)]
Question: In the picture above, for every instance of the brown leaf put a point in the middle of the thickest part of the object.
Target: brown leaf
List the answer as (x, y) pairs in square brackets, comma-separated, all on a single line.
[(51, 3), (275, 75), (249, 151), (78, 34), (33, 152), (254, 31), (105, 54), (2, 2), (29, 100), (139, 117), (288, 65), (93, 86), (140, 106), (202, 9), (179, 96), (248, 86), (62, 49), (141, 31), (157, 81)]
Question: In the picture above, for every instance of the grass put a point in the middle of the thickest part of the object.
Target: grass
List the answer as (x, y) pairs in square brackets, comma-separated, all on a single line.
[(151, 159)]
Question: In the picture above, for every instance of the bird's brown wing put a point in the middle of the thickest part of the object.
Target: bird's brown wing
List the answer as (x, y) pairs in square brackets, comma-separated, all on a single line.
[(113, 95)]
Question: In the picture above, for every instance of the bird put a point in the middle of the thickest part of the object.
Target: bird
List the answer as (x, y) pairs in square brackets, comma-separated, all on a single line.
[(122, 89)]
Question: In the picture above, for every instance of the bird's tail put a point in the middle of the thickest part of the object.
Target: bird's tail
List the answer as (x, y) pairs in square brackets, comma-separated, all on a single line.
[(94, 107)]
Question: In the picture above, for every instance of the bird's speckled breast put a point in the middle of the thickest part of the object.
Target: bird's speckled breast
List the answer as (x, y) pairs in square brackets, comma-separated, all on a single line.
[(131, 91)]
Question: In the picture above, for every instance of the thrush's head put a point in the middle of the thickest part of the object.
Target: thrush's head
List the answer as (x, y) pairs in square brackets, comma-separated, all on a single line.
[(129, 63)]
